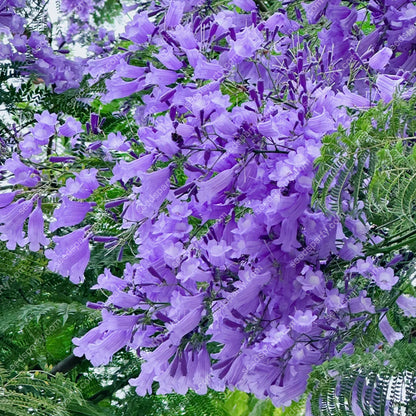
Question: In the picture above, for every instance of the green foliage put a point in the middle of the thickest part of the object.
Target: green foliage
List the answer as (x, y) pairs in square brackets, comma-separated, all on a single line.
[(19, 318), (39, 393), (107, 14), (375, 162), (366, 26), (239, 403), (376, 383), (228, 403), (40, 312), (190, 404)]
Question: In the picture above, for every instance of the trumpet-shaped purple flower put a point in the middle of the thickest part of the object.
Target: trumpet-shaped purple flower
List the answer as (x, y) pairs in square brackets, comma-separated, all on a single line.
[(110, 282), (380, 59), (46, 118), (388, 332), (98, 67), (160, 139), (172, 254), (154, 189), (157, 363), (71, 127), (35, 229), (124, 70), (144, 381), (185, 37), (161, 77), (385, 278), (44, 128), (247, 42), (314, 10), (7, 198), (29, 146), (185, 325), (208, 70), (302, 321), (42, 132), (407, 304), (116, 141), (82, 186), (169, 59), (364, 267), (188, 369), (311, 280), (71, 255), (357, 227), (351, 249), (118, 88), (126, 170), (174, 14), (23, 174), (101, 343), (213, 189), (190, 269), (281, 21), (387, 85), (70, 213), (217, 252), (279, 339), (12, 220), (139, 29), (334, 301), (361, 303)]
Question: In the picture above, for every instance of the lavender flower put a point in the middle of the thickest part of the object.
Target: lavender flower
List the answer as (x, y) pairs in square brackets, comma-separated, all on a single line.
[(22, 174), (302, 321), (82, 186), (361, 303), (35, 233), (388, 332), (7, 198), (385, 278), (12, 220), (70, 255), (70, 128), (70, 213), (139, 29), (380, 59), (407, 304), (127, 170), (155, 187), (99, 344), (116, 142)]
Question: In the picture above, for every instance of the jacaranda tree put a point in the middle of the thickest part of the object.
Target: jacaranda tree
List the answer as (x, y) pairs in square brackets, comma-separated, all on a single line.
[(236, 180)]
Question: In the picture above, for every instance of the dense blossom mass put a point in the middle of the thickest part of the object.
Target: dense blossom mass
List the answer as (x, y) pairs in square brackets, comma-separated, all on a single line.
[(213, 184)]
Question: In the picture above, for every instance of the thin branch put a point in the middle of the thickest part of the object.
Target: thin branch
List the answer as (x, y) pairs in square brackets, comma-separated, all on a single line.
[(261, 5), (67, 364)]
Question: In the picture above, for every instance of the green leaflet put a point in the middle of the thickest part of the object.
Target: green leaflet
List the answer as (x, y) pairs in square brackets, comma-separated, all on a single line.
[(39, 393), (376, 383), (375, 163)]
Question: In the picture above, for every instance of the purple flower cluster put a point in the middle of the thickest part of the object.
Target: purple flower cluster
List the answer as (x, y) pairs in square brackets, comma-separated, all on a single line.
[(234, 112), (82, 8), (34, 49)]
